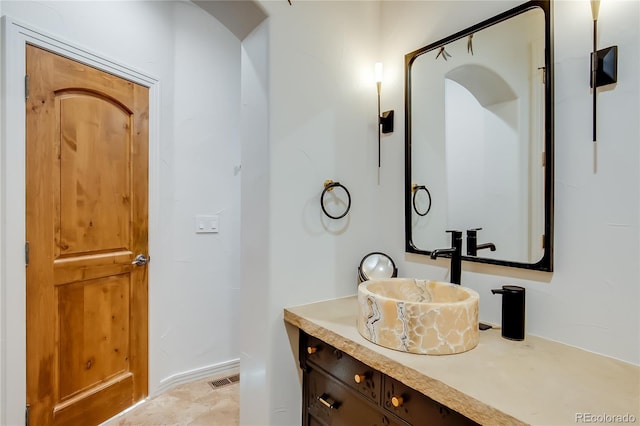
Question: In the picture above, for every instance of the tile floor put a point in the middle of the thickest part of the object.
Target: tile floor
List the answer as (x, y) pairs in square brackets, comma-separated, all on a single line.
[(190, 404)]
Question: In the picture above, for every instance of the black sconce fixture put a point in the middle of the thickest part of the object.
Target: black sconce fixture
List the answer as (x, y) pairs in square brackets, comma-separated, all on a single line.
[(604, 63), (385, 119), (386, 122)]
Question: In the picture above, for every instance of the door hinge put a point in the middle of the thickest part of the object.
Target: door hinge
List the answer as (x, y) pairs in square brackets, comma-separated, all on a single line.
[(26, 253), (26, 415), (26, 87), (542, 240), (544, 159)]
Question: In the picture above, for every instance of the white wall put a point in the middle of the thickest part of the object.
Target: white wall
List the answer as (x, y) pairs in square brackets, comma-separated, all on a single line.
[(194, 279), (254, 236), (322, 125)]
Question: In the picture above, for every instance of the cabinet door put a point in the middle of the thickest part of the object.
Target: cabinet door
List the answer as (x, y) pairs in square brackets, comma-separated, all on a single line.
[(349, 370), (312, 421), (331, 403), (417, 408)]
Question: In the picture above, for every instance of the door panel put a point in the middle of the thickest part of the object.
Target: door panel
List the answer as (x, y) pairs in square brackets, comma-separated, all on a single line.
[(93, 319), (95, 178), (87, 185)]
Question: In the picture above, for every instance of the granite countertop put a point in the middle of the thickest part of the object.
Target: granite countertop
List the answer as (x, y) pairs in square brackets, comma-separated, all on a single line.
[(535, 381)]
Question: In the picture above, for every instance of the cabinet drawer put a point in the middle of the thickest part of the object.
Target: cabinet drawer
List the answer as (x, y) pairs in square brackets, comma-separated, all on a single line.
[(349, 370), (417, 408), (330, 403)]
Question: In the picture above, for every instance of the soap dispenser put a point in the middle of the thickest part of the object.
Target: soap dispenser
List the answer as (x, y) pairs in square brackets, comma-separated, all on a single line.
[(512, 311)]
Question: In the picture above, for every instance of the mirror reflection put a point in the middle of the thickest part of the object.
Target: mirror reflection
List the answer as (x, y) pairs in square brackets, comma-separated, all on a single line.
[(477, 136)]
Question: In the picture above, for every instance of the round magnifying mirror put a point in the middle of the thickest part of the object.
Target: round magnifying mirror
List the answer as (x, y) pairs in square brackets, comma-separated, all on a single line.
[(376, 265)]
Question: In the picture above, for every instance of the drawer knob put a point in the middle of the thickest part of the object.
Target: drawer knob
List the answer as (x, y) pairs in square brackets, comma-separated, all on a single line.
[(312, 350), (359, 378), (396, 401)]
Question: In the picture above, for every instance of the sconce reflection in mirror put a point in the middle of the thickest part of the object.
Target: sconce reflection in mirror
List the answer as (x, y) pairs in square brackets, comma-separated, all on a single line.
[(376, 265), (442, 53), (329, 186), (604, 64), (385, 119), (416, 189)]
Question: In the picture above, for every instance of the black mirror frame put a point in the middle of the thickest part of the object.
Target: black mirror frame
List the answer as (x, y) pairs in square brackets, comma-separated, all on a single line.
[(546, 262)]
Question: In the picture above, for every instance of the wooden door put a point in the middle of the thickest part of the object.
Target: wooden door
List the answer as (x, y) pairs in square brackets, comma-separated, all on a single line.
[(87, 184)]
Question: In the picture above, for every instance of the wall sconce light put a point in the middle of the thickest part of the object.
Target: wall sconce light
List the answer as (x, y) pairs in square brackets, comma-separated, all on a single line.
[(604, 63), (385, 119)]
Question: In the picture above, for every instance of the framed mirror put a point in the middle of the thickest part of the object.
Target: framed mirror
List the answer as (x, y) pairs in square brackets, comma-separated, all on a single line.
[(479, 140)]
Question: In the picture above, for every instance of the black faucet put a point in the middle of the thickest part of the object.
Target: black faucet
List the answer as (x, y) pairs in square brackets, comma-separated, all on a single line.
[(472, 243), (455, 253)]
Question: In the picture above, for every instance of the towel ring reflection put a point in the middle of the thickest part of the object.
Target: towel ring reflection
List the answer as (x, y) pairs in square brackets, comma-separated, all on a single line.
[(329, 185), (415, 189)]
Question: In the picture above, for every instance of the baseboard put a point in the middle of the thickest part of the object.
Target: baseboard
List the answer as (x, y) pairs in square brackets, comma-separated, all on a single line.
[(226, 368)]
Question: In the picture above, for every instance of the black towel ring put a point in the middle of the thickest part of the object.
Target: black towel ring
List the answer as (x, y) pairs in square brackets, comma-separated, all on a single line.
[(415, 189), (329, 185)]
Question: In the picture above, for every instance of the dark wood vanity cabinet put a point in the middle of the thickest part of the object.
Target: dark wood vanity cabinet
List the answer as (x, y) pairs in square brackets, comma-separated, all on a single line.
[(339, 390)]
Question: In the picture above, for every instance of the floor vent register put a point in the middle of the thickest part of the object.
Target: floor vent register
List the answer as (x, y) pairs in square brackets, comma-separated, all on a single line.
[(225, 381)]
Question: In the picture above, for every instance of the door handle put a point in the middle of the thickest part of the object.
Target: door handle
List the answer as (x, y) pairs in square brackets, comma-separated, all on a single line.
[(141, 260), (328, 402)]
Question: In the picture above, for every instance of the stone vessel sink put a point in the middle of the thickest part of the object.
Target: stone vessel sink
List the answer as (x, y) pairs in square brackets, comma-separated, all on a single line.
[(418, 316)]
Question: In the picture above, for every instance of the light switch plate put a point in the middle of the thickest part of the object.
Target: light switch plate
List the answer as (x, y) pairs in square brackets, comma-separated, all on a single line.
[(206, 223)]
